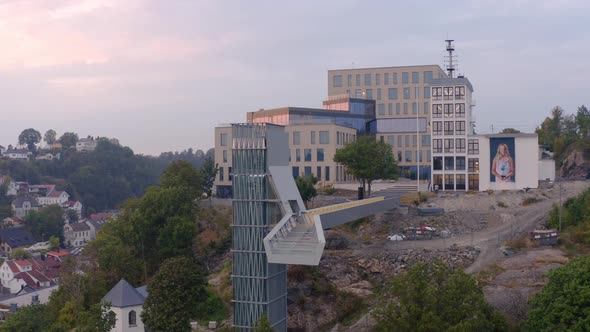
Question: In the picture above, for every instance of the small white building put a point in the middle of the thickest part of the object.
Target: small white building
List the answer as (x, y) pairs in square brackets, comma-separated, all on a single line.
[(127, 304), (17, 154), (77, 234), (86, 144)]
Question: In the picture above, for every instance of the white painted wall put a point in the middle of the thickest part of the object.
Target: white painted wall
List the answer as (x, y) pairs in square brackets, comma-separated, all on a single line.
[(526, 159), (122, 323), (546, 169)]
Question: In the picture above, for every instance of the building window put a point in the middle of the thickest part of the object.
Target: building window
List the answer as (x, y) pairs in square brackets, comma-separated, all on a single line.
[(437, 145), (449, 145), (392, 93), (405, 77), (297, 155), (386, 78), (460, 127), (327, 171), (473, 146), (473, 165), (448, 110), (390, 108), (428, 155), (325, 137), (406, 93), (449, 163), (223, 139), (318, 173), (381, 138), (426, 107), (381, 109), (358, 80), (407, 141), (358, 93), (296, 138), (377, 79), (426, 92), (220, 173), (436, 93), (230, 175), (349, 78), (409, 156), (398, 108), (437, 110), (437, 163), (460, 145), (437, 128), (394, 78), (320, 154), (369, 94), (224, 156), (419, 155), (460, 92), (449, 182), (337, 81), (390, 140), (132, 318), (460, 110), (414, 108), (427, 76), (414, 140), (449, 128), (448, 93), (307, 154), (368, 79), (399, 141), (425, 140), (474, 182), (399, 157), (295, 172), (460, 163), (415, 77), (312, 137), (460, 182), (307, 171), (405, 108), (378, 94)]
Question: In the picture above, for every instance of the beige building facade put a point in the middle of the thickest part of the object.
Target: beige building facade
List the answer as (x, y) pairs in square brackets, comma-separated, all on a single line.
[(403, 109)]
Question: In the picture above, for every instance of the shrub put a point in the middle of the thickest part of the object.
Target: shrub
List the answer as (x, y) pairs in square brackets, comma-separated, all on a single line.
[(530, 200), (502, 204)]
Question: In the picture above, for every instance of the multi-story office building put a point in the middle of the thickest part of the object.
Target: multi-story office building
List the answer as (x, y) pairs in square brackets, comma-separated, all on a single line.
[(455, 151), (314, 136), (402, 97)]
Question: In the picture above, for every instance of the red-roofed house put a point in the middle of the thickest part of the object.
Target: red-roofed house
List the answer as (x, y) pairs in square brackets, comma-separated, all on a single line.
[(32, 272), (74, 205)]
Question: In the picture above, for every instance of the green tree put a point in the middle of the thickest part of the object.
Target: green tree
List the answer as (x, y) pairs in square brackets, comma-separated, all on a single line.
[(509, 131), (263, 324), (562, 305), (99, 318), (54, 242), (50, 137), (368, 160), (31, 318), (72, 215), (20, 253), (31, 138), (432, 297), (306, 186), (583, 121), (182, 174), (68, 140), (208, 172), (46, 222), (175, 293)]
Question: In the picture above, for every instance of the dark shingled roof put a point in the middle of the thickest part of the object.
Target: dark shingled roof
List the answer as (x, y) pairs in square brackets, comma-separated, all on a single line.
[(16, 237), (18, 202), (124, 295), (79, 226)]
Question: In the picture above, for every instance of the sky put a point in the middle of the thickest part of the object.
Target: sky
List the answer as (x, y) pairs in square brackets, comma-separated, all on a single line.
[(159, 75)]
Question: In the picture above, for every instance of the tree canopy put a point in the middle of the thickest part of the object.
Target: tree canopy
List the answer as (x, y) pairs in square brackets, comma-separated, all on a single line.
[(560, 130), (30, 137), (175, 295), (509, 131), (368, 160), (432, 297), (306, 186), (46, 222), (50, 137), (562, 305)]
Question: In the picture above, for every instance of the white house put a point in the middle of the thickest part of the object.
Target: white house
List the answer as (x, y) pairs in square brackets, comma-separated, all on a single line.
[(18, 154), (86, 144), (127, 304), (77, 234), (54, 197), (48, 155), (23, 204), (35, 273), (74, 205)]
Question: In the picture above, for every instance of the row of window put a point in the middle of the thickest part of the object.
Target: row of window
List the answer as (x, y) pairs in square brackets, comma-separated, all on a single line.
[(398, 108), (307, 155), (337, 80), (392, 93), (408, 156), (450, 145), (222, 174), (455, 164), (307, 171), (448, 93), (425, 140), (455, 182), (450, 128), (324, 137), (343, 138), (458, 110)]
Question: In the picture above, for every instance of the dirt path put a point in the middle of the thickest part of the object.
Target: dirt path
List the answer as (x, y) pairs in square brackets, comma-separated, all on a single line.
[(489, 239)]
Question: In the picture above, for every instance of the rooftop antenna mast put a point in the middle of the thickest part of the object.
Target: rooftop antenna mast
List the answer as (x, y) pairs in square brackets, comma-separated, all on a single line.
[(450, 59)]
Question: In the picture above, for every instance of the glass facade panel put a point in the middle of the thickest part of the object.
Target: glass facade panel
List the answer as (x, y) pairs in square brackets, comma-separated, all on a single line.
[(223, 139), (320, 155), (324, 137), (406, 93), (405, 78), (307, 154)]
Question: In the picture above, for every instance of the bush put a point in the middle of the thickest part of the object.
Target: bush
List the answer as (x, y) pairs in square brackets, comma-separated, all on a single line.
[(502, 204), (328, 191), (530, 200)]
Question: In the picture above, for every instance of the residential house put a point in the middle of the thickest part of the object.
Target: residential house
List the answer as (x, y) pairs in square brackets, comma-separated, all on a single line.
[(48, 155), (35, 273), (2, 150), (74, 205), (23, 298), (18, 154), (23, 204), (13, 188), (53, 196), (127, 304), (77, 234), (95, 226), (12, 238), (86, 144), (12, 222)]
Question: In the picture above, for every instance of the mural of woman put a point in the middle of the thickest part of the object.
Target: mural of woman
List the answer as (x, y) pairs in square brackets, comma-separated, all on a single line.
[(503, 165)]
